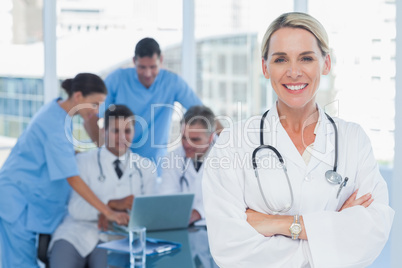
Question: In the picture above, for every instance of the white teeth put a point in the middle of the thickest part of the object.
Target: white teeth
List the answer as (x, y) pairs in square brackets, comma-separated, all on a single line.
[(296, 87)]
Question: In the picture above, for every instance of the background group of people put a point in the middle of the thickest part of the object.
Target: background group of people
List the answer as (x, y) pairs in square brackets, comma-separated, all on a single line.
[(36, 179), (287, 215)]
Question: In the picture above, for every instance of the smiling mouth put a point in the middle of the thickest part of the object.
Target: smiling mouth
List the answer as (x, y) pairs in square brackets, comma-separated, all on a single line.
[(295, 87)]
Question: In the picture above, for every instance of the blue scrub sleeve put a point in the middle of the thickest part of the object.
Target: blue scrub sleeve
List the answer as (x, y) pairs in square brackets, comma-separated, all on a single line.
[(185, 95), (60, 158), (111, 83)]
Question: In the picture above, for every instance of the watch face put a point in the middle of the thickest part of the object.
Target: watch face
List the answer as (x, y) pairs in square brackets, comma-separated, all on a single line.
[(295, 228)]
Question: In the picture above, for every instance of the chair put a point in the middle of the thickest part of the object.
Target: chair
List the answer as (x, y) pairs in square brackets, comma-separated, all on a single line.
[(43, 244)]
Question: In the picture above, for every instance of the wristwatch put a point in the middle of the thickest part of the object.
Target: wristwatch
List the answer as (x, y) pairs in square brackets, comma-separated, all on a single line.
[(295, 229)]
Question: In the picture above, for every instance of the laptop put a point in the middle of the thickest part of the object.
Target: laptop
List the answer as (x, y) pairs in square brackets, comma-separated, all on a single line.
[(161, 212)]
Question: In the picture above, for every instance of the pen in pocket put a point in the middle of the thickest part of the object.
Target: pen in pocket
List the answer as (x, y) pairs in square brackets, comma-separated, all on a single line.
[(343, 184)]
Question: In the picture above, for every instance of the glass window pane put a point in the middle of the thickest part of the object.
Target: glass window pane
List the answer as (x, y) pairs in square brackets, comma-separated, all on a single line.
[(362, 69), (232, 40), (21, 71)]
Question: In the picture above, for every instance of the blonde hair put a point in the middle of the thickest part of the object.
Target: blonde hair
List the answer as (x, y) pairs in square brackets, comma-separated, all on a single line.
[(297, 20)]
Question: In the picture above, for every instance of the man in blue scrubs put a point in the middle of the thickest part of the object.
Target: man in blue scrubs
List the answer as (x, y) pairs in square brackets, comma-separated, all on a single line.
[(150, 92)]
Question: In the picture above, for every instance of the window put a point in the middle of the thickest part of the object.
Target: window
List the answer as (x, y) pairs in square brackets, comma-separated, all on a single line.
[(222, 91), (240, 64), (221, 64), (369, 79), (240, 93)]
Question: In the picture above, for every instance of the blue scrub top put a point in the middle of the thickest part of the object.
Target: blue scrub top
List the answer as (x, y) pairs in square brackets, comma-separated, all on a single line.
[(152, 106), (34, 174)]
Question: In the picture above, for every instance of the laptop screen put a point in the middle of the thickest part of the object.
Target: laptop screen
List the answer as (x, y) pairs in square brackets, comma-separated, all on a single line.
[(162, 212)]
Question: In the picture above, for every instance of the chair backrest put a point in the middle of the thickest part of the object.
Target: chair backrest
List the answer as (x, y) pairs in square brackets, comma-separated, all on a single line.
[(43, 244)]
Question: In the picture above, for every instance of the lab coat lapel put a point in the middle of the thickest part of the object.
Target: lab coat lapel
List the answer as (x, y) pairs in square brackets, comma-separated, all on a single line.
[(133, 168), (324, 144), (107, 159), (126, 163), (130, 162)]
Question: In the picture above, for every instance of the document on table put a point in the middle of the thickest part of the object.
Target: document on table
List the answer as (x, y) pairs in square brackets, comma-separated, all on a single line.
[(154, 246)]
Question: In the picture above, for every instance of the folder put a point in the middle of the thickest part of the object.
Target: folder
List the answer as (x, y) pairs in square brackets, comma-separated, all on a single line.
[(153, 246)]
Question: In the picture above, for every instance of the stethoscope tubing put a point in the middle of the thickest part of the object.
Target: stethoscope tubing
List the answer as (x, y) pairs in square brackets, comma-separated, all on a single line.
[(336, 142), (278, 154), (186, 163), (253, 158), (102, 176), (183, 172), (280, 158), (275, 211)]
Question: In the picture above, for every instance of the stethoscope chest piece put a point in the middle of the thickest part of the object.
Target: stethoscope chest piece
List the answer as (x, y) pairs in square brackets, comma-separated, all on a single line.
[(102, 177), (333, 177)]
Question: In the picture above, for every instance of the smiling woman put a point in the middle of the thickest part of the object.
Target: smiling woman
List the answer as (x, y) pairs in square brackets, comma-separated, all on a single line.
[(338, 223), (295, 72)]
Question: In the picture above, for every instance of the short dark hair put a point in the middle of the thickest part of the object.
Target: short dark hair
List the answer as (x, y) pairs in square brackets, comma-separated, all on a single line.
[(147, 47), (200, 114), (86, 83), (118, 111)]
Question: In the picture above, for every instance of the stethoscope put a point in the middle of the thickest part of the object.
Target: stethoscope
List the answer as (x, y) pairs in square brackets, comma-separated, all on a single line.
[(183, 179), (102, 176), (332, 176)]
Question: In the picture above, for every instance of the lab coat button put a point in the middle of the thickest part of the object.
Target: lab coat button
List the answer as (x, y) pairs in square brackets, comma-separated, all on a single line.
[(308, 178)]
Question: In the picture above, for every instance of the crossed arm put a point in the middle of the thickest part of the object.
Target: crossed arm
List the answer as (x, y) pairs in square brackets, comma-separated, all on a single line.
[(270, 225)]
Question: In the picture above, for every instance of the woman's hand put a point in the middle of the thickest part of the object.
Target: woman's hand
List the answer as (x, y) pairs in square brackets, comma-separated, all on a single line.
[(364, 201), (120, 218), (103, 223), (121, 204)]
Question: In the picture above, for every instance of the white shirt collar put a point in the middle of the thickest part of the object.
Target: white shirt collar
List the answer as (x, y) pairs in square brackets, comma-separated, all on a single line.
[(110, 157)]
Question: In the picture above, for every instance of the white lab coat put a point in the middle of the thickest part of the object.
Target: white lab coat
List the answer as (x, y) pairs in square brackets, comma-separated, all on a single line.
[(80, 226), (174, 165), (351, 238)]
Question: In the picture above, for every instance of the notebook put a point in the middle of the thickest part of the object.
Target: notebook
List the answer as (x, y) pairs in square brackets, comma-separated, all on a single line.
[(161, 212)]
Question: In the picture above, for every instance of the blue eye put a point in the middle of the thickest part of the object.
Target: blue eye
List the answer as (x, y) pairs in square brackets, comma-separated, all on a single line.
[(279, 60), (307, 59)]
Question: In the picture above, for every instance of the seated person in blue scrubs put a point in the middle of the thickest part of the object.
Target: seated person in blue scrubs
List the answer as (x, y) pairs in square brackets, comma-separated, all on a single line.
[(35, 180), (150, 92), (115, 175), (183, 167)]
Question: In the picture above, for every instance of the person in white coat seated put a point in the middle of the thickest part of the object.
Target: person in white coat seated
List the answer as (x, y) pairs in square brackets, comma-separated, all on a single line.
[(116, 176), (295, 187), (182, 168)]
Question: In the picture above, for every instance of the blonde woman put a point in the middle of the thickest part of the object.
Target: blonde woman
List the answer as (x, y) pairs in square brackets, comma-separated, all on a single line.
[(295, 188)]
